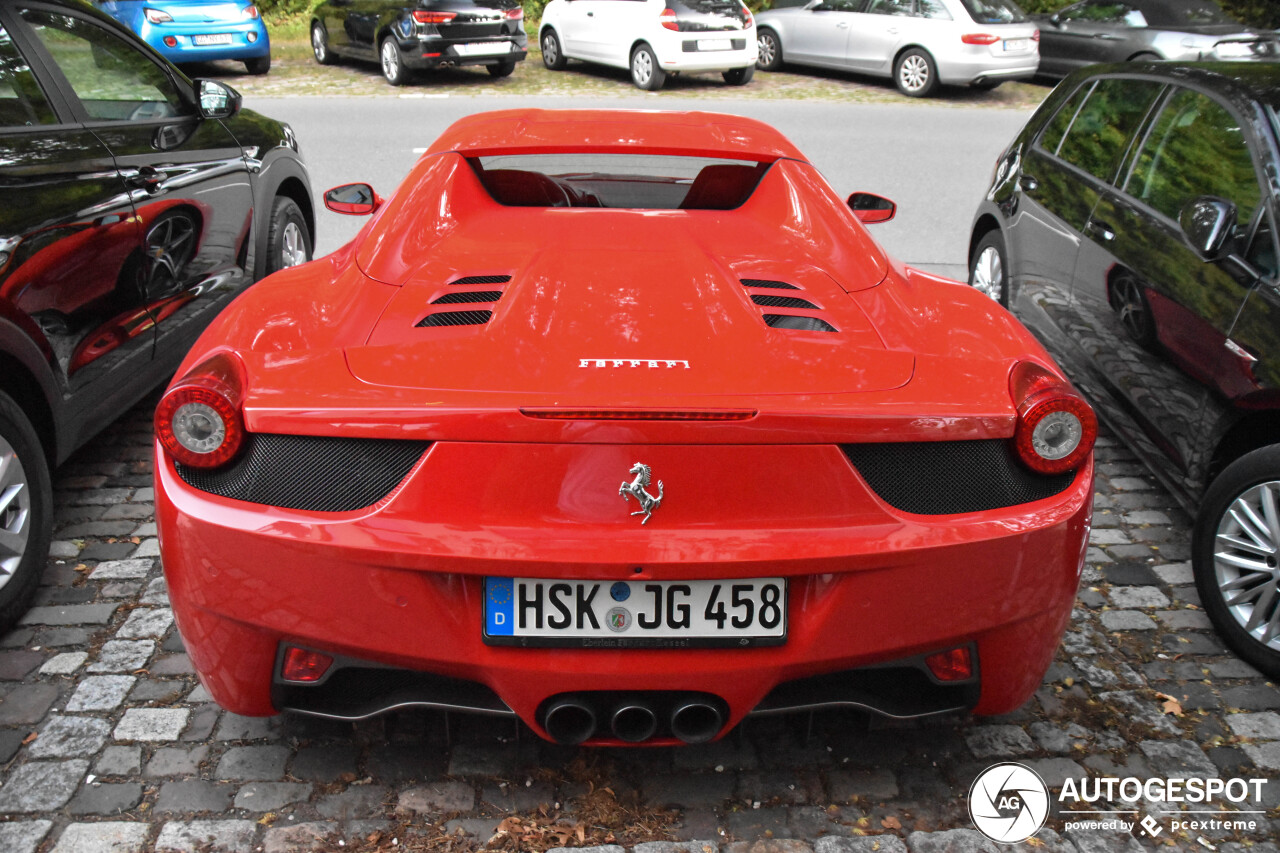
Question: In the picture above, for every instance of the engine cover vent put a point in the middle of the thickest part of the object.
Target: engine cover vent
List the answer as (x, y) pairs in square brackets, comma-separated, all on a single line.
[(468, 296), (798, 323), (482, 279), (455, 318), (771, 301), (764, 282)]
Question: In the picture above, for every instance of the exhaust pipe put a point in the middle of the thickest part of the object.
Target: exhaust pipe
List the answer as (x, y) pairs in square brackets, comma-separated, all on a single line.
[(569, 721), (634, 722), (696, 722)]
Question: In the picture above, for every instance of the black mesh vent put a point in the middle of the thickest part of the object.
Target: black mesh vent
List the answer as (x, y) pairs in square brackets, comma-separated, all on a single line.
[(764, 282), (316, 473), (469, 296), (456, 318), (941, 477), (483, 279), (800, 324), (782, 301)]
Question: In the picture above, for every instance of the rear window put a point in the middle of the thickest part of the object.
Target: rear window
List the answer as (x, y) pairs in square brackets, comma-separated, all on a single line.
[(709, 15), (635, 181), (994, 11), (1181, 13)]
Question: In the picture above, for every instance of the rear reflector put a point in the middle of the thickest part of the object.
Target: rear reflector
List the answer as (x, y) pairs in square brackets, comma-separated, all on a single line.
[(304, 665), (951, 665), (638, 415)]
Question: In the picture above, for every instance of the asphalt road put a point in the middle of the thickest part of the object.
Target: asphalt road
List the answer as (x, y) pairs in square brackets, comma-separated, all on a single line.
[(934, 161)]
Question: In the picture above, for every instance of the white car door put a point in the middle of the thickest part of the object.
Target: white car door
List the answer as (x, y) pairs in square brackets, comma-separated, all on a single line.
[(818, 34), (876, 34)]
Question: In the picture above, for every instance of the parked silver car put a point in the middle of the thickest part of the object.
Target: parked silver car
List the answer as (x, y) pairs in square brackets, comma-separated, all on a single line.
[(1120, 30), (919, 43)]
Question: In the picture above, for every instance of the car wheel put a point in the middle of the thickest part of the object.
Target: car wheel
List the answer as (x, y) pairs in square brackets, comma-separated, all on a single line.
[(770, 51), (739, 76), (915, 73), (26, 512), (988, 269), (502, 69), (1236, 557), (320, 45), (1125, 293), (1146, 57), (552, 56), (288, 238), (645, 72), (258, 65), (392, 62)]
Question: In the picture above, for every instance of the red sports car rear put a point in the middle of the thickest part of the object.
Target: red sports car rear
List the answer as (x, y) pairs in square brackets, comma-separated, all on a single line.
[(620, 423)]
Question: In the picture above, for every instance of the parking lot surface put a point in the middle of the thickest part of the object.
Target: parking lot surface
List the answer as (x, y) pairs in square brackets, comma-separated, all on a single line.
[(109, 743)]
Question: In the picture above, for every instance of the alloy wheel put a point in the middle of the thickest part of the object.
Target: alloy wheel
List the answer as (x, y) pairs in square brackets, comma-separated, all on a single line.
[(988, 273), (318, 46), (169, 247), (768, 51), (15, 511), (549, 53), (914, 73), (293, 246), (1130, 307), (642, 68), (390, 61), (1246, 562)]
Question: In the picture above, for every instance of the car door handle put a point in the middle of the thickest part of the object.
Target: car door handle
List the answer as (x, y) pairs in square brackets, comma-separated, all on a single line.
[(893, 31), (1107, 36), (1029, 183), (1102, 229), (843, 25), (146, 178), (591, 14)]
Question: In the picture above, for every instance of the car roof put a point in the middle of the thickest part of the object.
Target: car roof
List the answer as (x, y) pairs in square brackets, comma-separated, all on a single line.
[(532, 131), (1239, 82)]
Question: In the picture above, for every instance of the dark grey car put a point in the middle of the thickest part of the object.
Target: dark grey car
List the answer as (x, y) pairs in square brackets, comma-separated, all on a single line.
[(1121, 30)]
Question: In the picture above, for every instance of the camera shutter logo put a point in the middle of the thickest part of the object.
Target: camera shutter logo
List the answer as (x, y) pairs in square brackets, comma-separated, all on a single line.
[(1009, 802)]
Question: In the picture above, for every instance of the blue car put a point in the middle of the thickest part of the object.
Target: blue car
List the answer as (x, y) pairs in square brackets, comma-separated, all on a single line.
[(198, 30)]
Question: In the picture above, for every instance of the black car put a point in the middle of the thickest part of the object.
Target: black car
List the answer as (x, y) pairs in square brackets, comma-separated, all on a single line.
[(1126, 30), (1132, 226), (134, 205), (404, 37)]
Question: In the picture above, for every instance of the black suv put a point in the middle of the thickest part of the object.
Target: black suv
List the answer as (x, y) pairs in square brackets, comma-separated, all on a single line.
[(1132, 226), (134, 205)]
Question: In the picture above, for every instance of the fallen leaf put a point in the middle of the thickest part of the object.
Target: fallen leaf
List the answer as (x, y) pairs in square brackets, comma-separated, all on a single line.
[(891, 823), (29, 738), (1170, 705)]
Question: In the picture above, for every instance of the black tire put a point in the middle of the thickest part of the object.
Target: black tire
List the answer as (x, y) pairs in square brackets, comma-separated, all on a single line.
[(739, 76), (288, 238), (770, 58), (1128, 300), (320, 45), (915, 73), (1146, 57), (552, 53), (502, 69), (26, 517), (989, 267), (258, 65), (1242, 481), (391, 61), (645, 71)]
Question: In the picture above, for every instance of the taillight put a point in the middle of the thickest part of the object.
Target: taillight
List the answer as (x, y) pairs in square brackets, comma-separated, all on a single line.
[(750, 20), (251, 12), (1035, 36), (516, 14), (951, 665), (667, 17), (304, 665), (199, 421), (979, 38), (155, 16), (1056, 427), (437, 17)]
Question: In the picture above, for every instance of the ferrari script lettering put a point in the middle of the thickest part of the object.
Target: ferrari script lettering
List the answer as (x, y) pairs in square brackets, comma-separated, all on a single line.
[(634, 362)]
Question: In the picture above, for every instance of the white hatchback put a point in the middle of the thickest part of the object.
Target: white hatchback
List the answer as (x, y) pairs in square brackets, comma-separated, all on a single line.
[(919, 43), (652, 38)]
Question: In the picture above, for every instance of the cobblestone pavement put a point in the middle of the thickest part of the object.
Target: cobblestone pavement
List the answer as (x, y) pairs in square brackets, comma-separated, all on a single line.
[(108, 743)]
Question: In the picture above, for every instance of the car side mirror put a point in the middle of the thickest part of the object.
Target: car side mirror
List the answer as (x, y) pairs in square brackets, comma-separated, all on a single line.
[(217, 100), (1055, 19), (1206, 224), (870, 208), (353, 200)]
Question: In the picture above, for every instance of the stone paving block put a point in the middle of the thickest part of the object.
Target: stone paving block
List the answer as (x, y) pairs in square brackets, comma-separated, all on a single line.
[(1126, 620), (119, 761), (65, 549), (1063, 740), (1056, 771), (54, 638), (64, 663), (10, 743), (72, 614), (1131, 484), (16, 665), (753, 823), (100, 693), (1175, 574), (178, 664), (862, 785), (65, 737), (203, 719), (440, 797), (26, 704), (866, 844), (104, 551), (989, 741), (123, 655), (1232, 668), (356, 801), (1264, 725), (727, 753), (301, 838), (951, 841), (23, 836), (157, 593), (1265, 756), (236, 727), (105, 837), (40, 786), (152, 724), (175, 761), (271, 796), (147, 548), (253, 763), (1177, 758), (122, 569), (787, 787), (207, 836), (150, 691), (1138, 597), (136, 511), (1108, 536), (1147, 516), (323, 763), (106, 798), (199, 695), (1140, 709), (187, 796), (1185, 620), (146, 622), (1251, 697)]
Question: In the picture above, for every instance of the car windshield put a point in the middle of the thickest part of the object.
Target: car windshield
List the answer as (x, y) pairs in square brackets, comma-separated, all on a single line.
[(1175, 13), (994, 11), (636, 181)]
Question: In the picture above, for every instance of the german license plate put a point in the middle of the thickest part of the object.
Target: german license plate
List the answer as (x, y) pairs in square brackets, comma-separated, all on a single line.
[(1233, 49), (215, 38), (652, 614), (714, 44), (1017, 45), (488, 48)]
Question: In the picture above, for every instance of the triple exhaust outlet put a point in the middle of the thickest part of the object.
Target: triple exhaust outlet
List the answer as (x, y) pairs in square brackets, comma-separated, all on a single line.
[(633, 719)]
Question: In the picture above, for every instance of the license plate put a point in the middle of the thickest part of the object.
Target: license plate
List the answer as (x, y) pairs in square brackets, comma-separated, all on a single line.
[(1016, 45), (652, 614), (1234, 48), (482, 48), (216, 38), (714, 44)]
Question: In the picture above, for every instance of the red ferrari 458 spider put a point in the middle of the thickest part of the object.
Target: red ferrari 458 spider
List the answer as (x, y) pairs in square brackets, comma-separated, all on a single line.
[(622, 424)]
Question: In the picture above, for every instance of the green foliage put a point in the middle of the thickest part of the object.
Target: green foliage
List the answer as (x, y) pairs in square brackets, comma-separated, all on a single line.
[(285, 10)]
